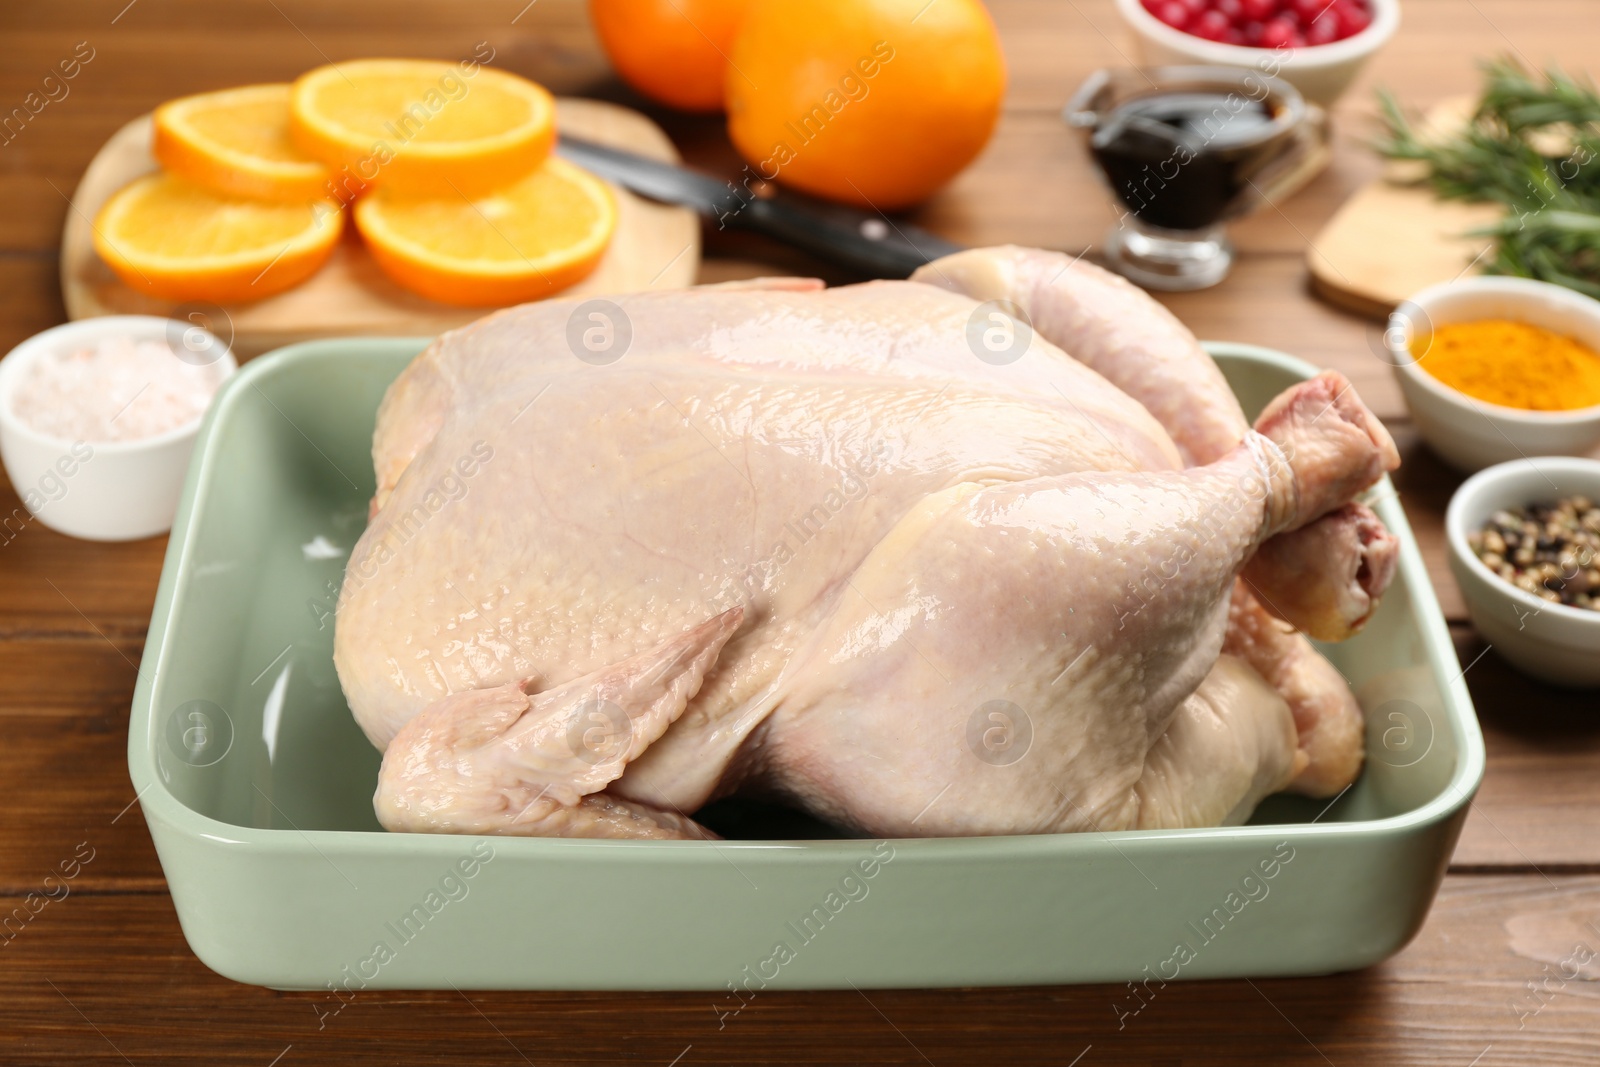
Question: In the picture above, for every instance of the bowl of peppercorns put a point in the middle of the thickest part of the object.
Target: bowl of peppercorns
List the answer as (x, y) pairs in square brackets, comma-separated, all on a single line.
[(1524, 540), (1318, 46)]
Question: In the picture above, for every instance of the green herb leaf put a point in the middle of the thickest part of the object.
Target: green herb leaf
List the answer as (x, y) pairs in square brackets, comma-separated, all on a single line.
[(1552, 226)]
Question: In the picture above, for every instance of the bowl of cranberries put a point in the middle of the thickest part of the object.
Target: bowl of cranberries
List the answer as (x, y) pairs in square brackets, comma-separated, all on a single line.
[(1318, 46)]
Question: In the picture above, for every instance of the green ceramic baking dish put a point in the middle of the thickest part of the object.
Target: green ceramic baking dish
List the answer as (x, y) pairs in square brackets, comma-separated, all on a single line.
[(257, 787)]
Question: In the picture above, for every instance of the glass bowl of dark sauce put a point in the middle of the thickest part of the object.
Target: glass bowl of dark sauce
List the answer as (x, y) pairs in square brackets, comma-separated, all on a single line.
[(1184, 149)]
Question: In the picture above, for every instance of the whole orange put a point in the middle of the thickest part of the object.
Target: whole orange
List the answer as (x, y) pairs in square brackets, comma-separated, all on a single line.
[(870, 102), (673, 51)]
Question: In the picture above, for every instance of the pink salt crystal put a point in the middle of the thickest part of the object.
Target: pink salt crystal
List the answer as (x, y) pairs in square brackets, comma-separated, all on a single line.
[(120, 390)]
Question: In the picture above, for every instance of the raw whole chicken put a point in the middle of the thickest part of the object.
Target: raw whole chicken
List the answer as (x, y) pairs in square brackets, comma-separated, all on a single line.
[(846, 550)]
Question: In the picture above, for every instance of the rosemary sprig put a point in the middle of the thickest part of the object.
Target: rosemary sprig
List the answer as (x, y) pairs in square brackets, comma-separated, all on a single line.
[(1551, 230)]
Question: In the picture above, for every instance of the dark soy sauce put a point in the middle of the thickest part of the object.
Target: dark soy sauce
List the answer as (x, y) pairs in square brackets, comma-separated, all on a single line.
[(1182, 160)]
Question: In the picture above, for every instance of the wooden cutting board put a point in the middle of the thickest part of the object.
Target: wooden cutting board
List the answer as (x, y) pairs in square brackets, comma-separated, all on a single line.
[(655, 246), (1391, 239)]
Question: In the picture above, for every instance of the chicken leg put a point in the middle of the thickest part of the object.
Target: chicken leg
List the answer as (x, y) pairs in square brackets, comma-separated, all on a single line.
[(1324, 580)]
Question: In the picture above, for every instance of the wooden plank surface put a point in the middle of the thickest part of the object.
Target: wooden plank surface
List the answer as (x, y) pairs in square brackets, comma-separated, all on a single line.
[(104, 975), (1460, 991)]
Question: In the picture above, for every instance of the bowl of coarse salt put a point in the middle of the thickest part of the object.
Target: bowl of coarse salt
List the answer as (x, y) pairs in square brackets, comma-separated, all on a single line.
[(97, 420)]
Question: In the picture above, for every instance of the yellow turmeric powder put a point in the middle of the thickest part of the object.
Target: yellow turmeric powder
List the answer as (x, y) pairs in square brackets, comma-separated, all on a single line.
[(1513, 364)]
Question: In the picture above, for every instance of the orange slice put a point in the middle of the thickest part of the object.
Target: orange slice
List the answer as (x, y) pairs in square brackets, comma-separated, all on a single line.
[(420, 126), (169, 238), (527, 240), (237, 142)]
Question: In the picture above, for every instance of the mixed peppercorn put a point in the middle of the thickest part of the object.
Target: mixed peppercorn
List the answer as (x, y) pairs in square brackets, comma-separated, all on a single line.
[(1549, 550)]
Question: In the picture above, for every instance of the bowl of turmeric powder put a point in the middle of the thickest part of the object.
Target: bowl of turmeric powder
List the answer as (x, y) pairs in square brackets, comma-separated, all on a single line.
[(1495, 369)]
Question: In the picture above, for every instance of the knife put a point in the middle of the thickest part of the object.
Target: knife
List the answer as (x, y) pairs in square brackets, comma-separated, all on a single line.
[(871, 243)]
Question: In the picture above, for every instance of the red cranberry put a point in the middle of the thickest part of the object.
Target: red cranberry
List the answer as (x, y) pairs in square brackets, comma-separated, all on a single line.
[(1308, 10), (1279, 33), (1174, 14), (1265, 23), (1353, 18), (1213, 26), (1324, 30)]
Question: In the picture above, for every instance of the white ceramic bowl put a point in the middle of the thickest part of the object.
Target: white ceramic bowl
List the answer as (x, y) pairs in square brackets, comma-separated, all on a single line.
[(99, 490), (1552, 642), (1321, 73), (1472, 434)]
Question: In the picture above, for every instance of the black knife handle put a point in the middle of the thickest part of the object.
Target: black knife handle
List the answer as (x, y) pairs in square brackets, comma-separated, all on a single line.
[(872, 244)]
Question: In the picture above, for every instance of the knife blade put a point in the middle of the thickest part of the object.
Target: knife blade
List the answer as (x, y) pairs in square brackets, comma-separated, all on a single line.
[(867, 242)]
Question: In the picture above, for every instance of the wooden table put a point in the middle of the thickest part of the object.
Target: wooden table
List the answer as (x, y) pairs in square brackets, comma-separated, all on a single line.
[(103, 974)]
